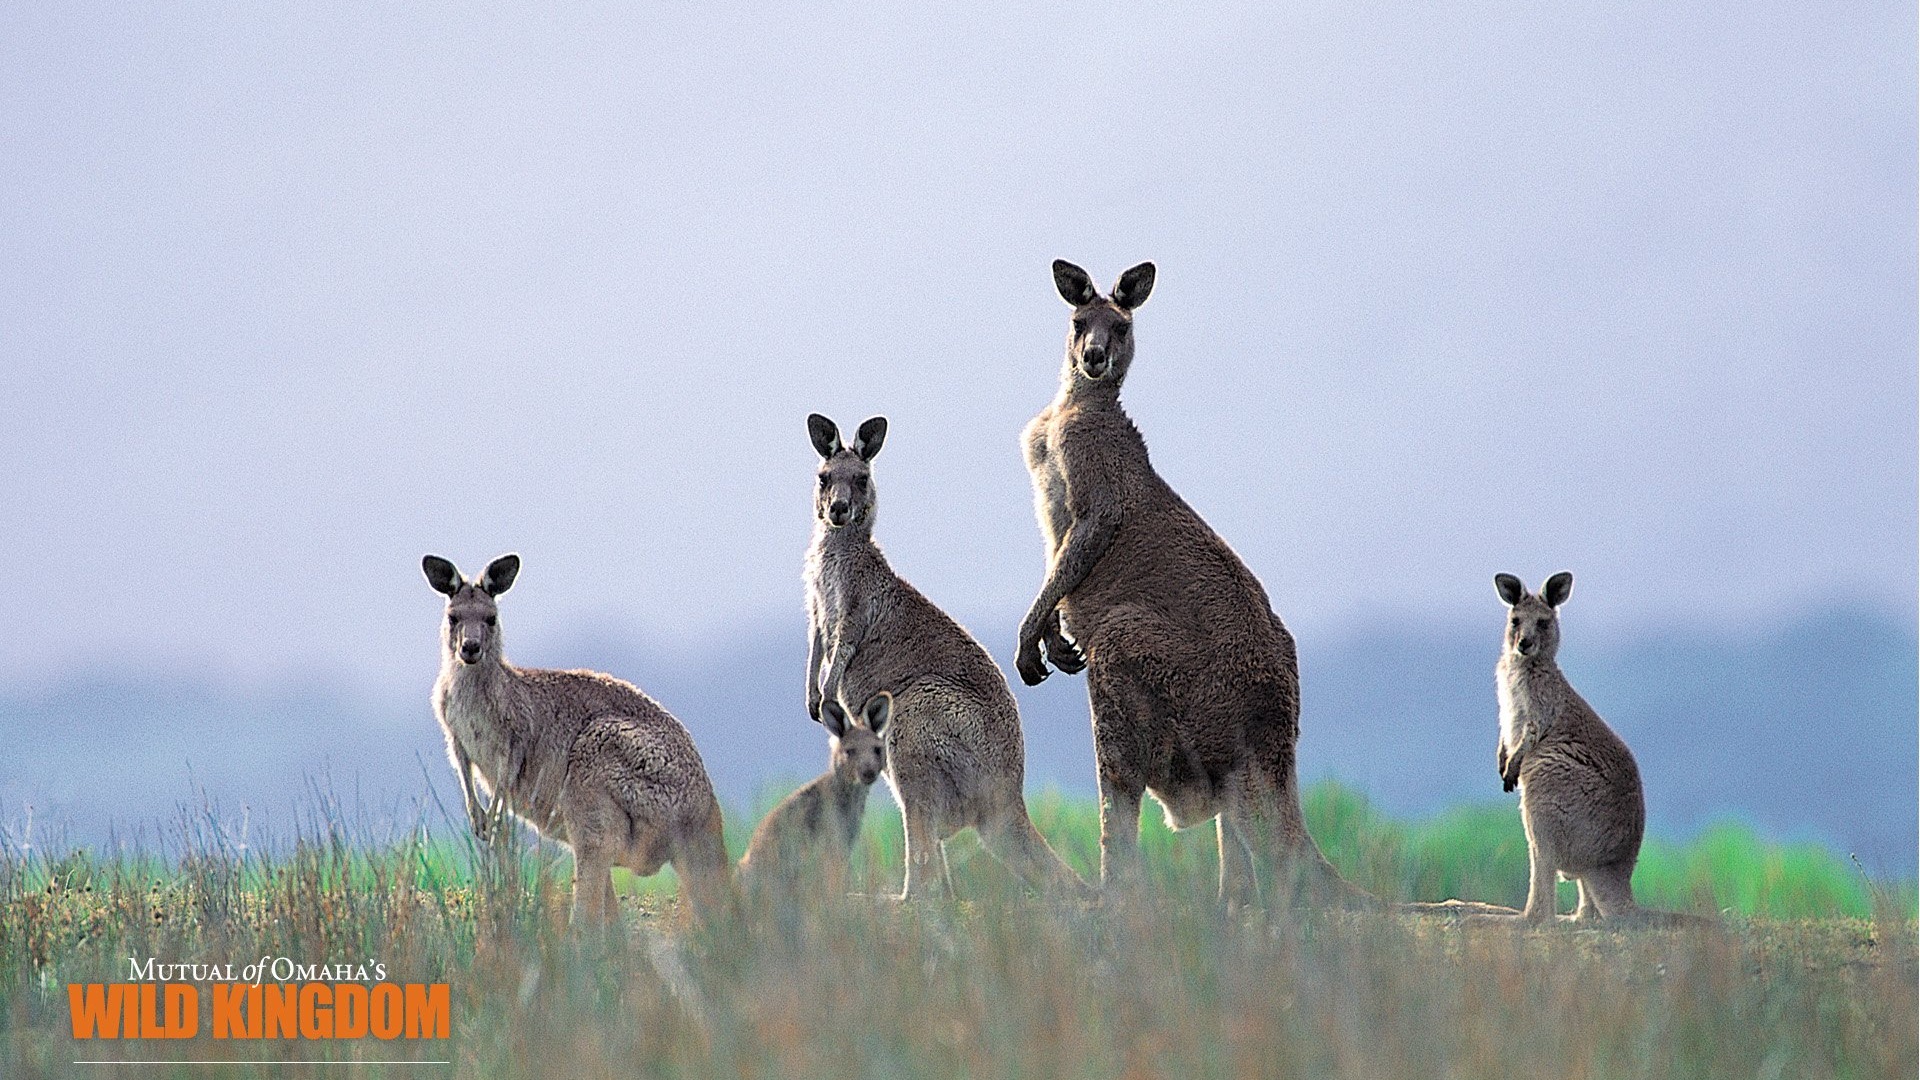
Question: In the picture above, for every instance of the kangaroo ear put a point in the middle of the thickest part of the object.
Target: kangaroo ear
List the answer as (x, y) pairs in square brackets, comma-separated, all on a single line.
[(833, 718), (866, 442), (441, 574), (824, 433), (1509, 587), (1135, 286), (879, 710), (500, 574), (1557, 588), (1075, 286)]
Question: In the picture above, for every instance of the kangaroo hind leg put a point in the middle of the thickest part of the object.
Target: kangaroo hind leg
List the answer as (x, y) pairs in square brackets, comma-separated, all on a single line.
[(1239, 880), (1019, 846), (592, 886), (1610, 889), (1120, 710)]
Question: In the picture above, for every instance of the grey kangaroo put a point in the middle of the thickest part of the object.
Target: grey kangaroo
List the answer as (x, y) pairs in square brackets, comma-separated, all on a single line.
[(955, 757), (1191, 676), (1580, 797), (812, 832), (583, 758)]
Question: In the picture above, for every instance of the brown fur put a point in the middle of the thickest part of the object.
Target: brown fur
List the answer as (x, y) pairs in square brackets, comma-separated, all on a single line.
[(813, 830), (955, 757), (584, 758), (1580, 796), (1192, 677)]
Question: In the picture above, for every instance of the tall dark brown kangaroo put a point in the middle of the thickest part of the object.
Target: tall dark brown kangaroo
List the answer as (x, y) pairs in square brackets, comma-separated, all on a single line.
[(1193, 681)]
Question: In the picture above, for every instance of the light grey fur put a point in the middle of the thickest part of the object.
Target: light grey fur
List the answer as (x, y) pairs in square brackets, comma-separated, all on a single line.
[(812, 832), (1192, 678), (584, 758), (1580, 796), (955, 757)]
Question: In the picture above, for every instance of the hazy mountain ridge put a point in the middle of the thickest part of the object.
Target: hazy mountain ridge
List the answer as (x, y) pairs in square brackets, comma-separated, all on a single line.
[(1808, 729)]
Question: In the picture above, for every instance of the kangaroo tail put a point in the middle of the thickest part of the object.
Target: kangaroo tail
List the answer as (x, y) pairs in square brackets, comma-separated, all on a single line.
[(1665, 920)]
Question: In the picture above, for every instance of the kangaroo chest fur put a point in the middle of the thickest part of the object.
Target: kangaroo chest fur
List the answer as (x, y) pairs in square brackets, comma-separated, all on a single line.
[(836, 583), (478, 714), (828, 808), (469, 721), (1048, 473), (839, 811), (1525, 700)]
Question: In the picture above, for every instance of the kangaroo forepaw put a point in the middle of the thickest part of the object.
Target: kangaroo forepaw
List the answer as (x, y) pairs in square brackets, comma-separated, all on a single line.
[(1065, 655), (1032, 668), (1510, 774)]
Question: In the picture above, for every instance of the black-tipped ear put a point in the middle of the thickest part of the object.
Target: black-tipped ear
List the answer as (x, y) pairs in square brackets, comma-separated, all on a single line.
[(833, 718), (500, 574), (824, 433), (441, 574), (1075, 286), (879, 710), (1509, 587), (1557, 588), (867, 441), (1135, 286)]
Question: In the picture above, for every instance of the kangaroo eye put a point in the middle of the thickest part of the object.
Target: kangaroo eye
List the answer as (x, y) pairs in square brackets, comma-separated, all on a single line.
[(1542, 624), (1515, 624), (1079, 326), (823, 483), (493, 620), (1120, 330), (453, 620), (860, 483)]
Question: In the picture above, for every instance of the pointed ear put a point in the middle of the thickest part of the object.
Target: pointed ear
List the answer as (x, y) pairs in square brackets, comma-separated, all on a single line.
[(1557, 589), (500, 574), (1509, 587), (1075, 286), (879, 710), (441, 574), (833, 718), (866, 442), (1135, 286), (824, 433)]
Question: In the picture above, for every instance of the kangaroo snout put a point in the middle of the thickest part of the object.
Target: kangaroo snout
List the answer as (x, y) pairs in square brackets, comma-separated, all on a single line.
[(1094, 362), (469, 650), (839, 511)]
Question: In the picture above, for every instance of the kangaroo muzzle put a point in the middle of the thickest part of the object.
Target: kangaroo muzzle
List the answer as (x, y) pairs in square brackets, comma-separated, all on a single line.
[(1094, 362)]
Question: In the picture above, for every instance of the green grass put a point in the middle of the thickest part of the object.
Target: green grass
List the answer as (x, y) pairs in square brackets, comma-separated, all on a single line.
[(1476, 852), (1814, 973)]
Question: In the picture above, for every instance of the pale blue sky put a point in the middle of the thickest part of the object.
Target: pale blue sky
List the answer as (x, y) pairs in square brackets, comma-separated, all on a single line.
[(288, 299)]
